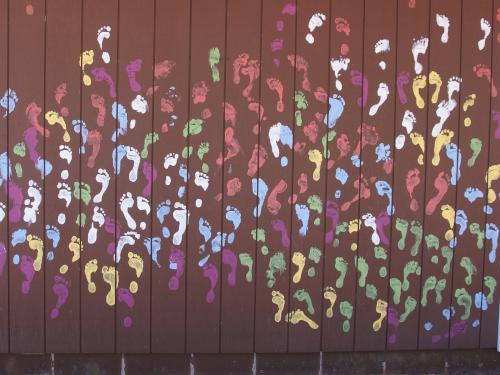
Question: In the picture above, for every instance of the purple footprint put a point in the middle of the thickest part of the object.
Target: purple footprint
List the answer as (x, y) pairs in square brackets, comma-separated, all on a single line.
[(332, 211), (402, 80), (16, 201), (60, 289), (28, 270), (382, 221), (211, 273), (151, 174), (101, 75), (3, 257), (176, 257), (358, 79), (228, 258), (279, 226)]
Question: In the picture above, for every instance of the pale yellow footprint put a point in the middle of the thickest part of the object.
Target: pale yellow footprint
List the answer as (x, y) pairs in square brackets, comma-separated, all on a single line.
[(448, 213), (86, 58), (469, 102), (380, 308), (75, 246), (435, 80), (111, 278), (297, 316), (419, 82), (90, 269), (353, 226), (53, 118), (443, 138), (300, 261), (133, 287), (36, 244), (136, 263), (316, 157), (492, 175), (418, 140), (279, 300), (331, 296)]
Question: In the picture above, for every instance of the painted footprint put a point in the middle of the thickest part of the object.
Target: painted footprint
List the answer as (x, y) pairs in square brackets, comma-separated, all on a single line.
[(279, 300), (331, 296)]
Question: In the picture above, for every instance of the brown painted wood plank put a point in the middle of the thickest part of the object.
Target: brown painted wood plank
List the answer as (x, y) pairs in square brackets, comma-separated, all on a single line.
[(472, 164), (204, 190), (445, 61), (377, 132), (491, 273), (135, 178), (241, 155), (26, 77), (310, 159), (171, 112), (346, 40), (275, 184), (98, 96), (409, 172), (62, 108)]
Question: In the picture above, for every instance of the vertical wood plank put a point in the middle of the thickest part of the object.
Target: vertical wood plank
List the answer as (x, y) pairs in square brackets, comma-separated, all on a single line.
[(62, 108), (377, 137), (342, 202), (98, 175), (409, 172), (26, 78), (439, 191), (171, 113), (241, 163), (308, 182), (274, 184), (205, 129), (491, 274)]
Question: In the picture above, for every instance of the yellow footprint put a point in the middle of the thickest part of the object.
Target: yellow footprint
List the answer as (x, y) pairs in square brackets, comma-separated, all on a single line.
[(279, 300), (443, 138), (297, 316), (435, 79), (36, 244), (469, 102), (353, 226), (492, 175), (331, 296), (90, 269), (75, 246), (53, 118), (111, 278), (136, 263), (448, 213), (419, 82), (300, 261), (86, 58), (316, 157), (133, 287), (418, 140), (381, 309)]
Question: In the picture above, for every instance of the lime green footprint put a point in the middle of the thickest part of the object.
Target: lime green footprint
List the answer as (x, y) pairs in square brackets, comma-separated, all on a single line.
[(346, 312), (276, 264), (362, 267), (303, 296), (402, 227), (247, 261), (410, 304), (475, 145), (213, 61), (340, 266)]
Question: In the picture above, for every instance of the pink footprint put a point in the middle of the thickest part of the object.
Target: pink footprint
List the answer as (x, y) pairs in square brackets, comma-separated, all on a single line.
[(496, 118), (211, 273), (273, 205), (289, 9), (99, 104), (60, 289), (402, 81), (177, 258), (441, 184)]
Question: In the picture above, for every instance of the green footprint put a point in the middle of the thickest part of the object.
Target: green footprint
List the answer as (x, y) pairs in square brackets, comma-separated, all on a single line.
[(327, 138), (247, 261), (193, 127), (380, 253), (303, 296), (187, 151), (315, 203), (340, 266), (346, 312), (264, 250), (20, 149), (382, 271), (371, 291), (362, 267), (213, 60), (447, 253), (314, 254), (491, 284), (276, 264), (416, 229), (429, 284), (432, 242), (412, 267), (440, 286), (475, 229), (300, 104), (149, 140), (476, 145), (259, 235), (402, 227), (469, 267), (341, 228), (19, 170), (464, 299), (82, 191), (434, 259), (410, 304), (81, 219), (203, 148), (396, 290)]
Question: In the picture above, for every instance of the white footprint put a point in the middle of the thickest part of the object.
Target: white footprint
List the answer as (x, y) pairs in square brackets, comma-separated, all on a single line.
[(443, 112), (143, 205), (129, 238), (170, 160), (65, 153), (32, 205), (64, 193), (382, 46), (453, 86), (140, 105), (370, 222), (338, 65), (181, 215), (409, 120), (486, 29), (443, 22), (104, 33), (135, 157), (383, 94), (201, 180), (98, 219), (400, 141), (315, 21), (419, 47), (103, 178), (126, 203), (274, 137), (2, 211)]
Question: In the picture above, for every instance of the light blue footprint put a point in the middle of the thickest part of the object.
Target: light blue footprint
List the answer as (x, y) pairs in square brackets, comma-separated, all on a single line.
[(384, 189), (119, 113), (260, 189), (454, 154), (302, 212), (162, 210), (118, 154), (337, 105), (80, 127)]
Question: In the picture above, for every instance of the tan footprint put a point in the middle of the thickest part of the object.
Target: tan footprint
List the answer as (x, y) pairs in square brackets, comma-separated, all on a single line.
[(448, 213), (444, 137), (419, 82), (86, 58), (136, 263), (492, 175), (75, 246), (111, 278), (380, 308), (418, 140), (297, 316), (331, 296), (36, 244), (435, 80), (279, 300), (90, 269), (53, 118), (316, 157), (353, 226), (300, 261)]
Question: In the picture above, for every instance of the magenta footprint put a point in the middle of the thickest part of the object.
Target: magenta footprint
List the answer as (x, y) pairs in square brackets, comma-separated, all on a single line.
[(358, 79), (30, 136), (177, 260), (101, 75), (402, 81), (28, 270), (3, 257), (133, 67), (151, 174), (496, 118), (382, 221), (211, 273), (16, 201), (60, 289), (332, 211), (279, 226), (393, 320), (229, 259), (127, 298)]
